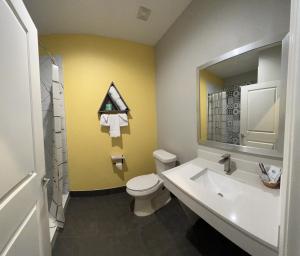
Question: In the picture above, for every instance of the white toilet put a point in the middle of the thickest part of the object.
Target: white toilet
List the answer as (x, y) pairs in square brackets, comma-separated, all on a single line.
[(148, 190)]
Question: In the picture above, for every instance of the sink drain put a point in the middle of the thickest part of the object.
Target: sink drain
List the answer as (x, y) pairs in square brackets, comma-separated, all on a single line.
[(220, 194)]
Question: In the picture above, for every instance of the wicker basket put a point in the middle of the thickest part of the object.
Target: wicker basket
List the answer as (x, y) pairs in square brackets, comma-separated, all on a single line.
[(271, 185)]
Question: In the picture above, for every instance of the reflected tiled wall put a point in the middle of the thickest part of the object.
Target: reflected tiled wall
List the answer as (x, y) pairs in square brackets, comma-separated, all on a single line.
[(224, 115)]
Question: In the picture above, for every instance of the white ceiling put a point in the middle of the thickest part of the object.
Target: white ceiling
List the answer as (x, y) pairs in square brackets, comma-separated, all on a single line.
[(111, 18)]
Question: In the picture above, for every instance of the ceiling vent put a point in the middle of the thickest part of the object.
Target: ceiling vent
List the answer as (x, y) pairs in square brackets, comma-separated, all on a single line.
[(143, 13)]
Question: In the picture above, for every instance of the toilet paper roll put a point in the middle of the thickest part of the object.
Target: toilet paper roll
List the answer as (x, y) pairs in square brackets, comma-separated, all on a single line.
[(119, 166)]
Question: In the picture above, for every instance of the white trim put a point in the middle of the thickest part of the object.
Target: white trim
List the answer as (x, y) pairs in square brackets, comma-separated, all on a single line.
[(289, 231)]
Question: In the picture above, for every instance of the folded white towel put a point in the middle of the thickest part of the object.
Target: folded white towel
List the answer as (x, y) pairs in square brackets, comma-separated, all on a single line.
[(114, 122), (121, 104), (117, 98), (104, 120), (123, 119), (113, 92), (114, 126)]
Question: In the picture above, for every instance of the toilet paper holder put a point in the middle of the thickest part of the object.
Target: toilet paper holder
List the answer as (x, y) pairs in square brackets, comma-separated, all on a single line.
[(117, 159)]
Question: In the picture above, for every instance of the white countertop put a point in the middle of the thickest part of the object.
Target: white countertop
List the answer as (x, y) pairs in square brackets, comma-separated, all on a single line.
[(253, 208)]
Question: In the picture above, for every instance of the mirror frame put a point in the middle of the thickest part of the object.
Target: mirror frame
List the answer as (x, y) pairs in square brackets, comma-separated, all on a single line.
[(265, 43)]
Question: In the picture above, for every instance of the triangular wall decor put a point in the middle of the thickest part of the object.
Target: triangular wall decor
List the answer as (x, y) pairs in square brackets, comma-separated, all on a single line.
[(113, 102)]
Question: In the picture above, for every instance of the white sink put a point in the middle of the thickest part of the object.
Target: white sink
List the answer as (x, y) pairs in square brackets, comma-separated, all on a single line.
[(223, 186), (239, 198), (236, 195)]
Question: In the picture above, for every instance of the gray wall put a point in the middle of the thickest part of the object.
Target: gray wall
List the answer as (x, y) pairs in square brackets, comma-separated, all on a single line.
[(206, 29), (269, 64)]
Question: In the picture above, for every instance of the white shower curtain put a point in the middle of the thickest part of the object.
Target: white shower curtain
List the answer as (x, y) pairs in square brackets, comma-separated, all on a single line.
[(56, 209), (217, 110), (224, 115), (54, 135)]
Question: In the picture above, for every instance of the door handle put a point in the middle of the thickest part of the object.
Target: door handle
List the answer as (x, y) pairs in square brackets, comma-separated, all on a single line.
[(45, 181), (242, 135)]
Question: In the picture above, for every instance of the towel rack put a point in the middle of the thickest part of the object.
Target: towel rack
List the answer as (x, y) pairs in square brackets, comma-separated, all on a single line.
[(109, 100)]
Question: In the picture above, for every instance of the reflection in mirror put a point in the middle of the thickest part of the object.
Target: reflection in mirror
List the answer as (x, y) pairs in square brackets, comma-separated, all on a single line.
[(239, 100)]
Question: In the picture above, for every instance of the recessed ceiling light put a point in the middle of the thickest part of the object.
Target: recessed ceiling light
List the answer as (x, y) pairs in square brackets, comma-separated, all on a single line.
[(143, 13)]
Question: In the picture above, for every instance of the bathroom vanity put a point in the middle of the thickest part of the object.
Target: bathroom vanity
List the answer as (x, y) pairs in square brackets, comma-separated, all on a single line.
[(241, 98), (237, 205)]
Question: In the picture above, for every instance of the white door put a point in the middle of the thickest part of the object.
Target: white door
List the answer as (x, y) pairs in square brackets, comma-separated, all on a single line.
[(260, 114), (24, 224)]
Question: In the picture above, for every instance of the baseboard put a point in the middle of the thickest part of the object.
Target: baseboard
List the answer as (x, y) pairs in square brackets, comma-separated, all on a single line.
[(97, 192)]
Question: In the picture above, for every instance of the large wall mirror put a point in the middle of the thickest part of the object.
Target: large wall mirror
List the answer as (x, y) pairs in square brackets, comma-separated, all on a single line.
[(242, 99)]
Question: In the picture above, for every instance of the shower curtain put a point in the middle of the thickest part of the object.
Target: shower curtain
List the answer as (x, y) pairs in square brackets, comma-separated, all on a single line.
[(217, 110), (224, 115), (54, 135), (56, 209)]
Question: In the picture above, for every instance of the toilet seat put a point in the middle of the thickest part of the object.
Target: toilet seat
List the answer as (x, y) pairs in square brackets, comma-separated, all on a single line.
[(143, 182)]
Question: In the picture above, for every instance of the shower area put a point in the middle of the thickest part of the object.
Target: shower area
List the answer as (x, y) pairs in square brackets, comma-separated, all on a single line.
[(56, 153), (224, 115)]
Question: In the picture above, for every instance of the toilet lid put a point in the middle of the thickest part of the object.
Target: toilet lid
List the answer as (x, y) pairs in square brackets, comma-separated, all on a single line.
[(143, 182)]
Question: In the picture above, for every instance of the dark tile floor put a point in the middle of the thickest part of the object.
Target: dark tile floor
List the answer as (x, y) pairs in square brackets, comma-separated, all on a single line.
[(105, 226)]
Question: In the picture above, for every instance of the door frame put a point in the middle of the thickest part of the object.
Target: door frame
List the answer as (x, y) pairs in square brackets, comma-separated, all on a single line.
[(290, 192)]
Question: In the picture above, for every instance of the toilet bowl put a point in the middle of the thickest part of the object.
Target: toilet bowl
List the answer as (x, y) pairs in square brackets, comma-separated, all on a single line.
[(148, 190)]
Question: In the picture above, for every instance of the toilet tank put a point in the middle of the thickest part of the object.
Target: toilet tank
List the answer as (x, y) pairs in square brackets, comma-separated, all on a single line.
[(163, 160)]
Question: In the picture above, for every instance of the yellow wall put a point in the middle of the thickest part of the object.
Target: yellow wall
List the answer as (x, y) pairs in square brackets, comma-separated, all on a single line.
[(206, 76), (90, 64)]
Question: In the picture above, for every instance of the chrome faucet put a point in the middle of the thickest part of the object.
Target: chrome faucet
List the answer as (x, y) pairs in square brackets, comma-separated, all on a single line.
[(225, 159)]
